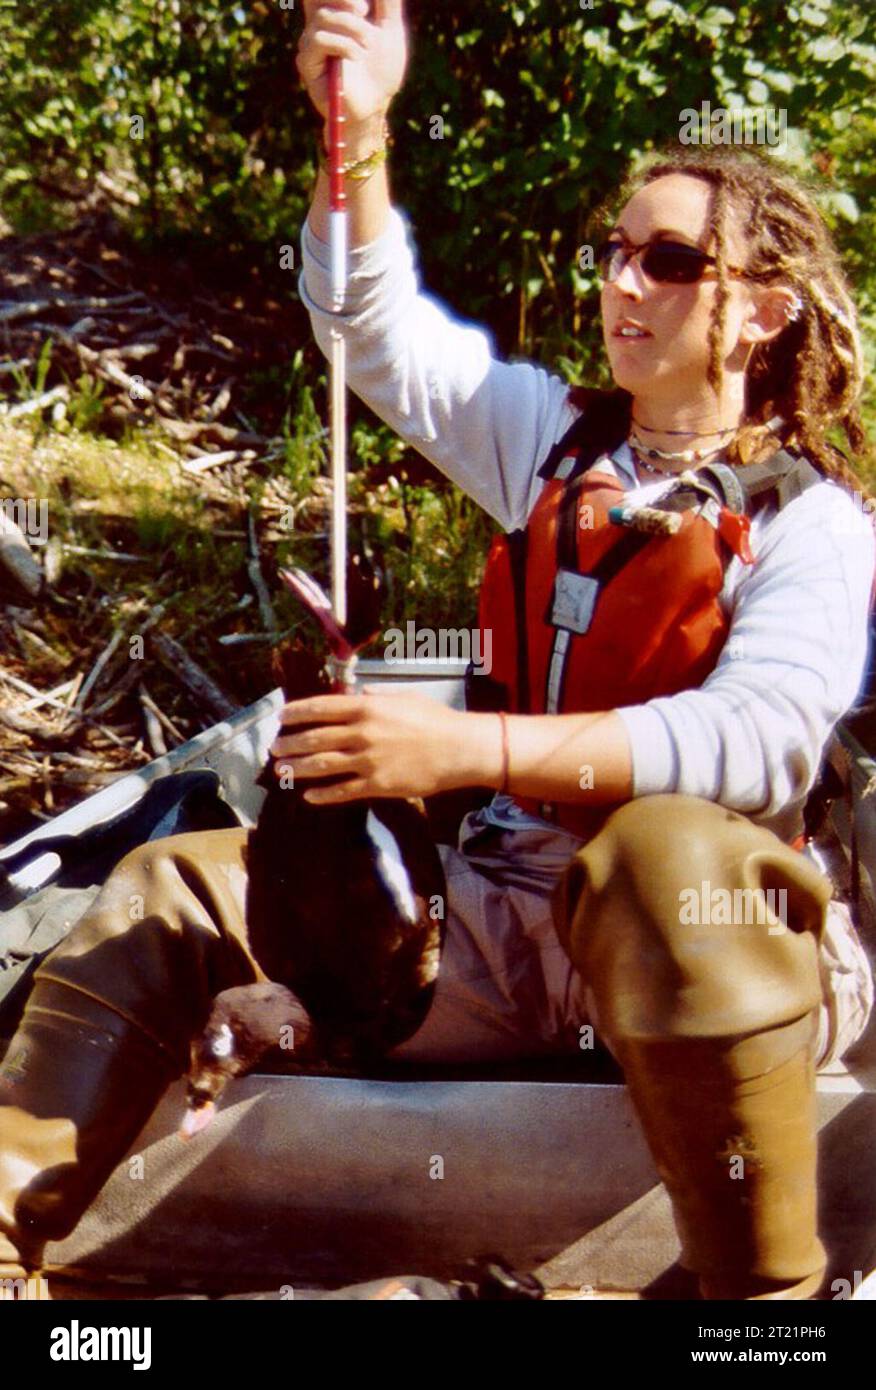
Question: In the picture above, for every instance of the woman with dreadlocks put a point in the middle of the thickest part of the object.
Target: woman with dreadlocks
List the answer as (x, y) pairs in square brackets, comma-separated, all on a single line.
[(678, 607)]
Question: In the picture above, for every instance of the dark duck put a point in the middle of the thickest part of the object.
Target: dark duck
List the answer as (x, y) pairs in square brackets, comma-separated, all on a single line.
[(248, 1025), (345, 903)]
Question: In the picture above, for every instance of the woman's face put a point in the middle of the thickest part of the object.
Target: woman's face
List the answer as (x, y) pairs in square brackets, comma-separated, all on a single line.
[(669, 365)]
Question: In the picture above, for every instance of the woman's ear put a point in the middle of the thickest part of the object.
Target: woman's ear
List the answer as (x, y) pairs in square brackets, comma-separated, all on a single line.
[(772, 308)]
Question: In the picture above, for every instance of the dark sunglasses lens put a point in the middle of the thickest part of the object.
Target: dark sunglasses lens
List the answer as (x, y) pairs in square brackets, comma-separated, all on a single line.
[(672, 262)]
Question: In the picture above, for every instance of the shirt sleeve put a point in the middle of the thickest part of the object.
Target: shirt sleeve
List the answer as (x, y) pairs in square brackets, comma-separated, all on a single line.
[(752, 736), (434, 379)]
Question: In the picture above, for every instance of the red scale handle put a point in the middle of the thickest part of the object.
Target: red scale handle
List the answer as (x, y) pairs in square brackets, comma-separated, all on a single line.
[(337, 144)]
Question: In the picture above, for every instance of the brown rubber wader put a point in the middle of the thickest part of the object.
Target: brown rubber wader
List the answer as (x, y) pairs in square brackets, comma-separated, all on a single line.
[(713, 1016), (107, 1027)]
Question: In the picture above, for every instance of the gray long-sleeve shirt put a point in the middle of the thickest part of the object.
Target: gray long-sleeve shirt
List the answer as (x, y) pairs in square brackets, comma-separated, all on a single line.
[(751, 737)]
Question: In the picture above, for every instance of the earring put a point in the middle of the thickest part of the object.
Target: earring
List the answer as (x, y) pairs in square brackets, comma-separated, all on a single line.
[(795, 308)]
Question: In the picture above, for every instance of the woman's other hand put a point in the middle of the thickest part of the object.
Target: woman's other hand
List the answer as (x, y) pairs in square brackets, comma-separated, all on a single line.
[(385, 745)]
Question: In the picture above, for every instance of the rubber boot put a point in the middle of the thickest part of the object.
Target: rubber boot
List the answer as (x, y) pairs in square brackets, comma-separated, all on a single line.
[(78, 1084), (714, 1024), (107, 1027)]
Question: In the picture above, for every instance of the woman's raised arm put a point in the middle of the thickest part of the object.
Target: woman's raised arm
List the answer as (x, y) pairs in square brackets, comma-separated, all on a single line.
[(374, 46), (434, 379)]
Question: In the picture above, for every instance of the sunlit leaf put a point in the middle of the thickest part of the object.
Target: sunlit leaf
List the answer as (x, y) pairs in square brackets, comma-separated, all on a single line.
[(844, 205), (826, 50)]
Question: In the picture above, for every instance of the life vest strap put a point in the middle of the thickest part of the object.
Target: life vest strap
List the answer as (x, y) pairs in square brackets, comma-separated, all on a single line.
[(786, 474), (601, 427), (557, 669), (574, 602), (518, 547)]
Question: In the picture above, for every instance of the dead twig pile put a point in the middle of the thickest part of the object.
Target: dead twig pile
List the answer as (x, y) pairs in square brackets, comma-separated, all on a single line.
[(63, 737), (150, 342)]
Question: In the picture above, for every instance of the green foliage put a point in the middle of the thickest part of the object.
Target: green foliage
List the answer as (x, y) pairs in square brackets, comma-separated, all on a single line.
[(192, 112), (193, 107), (86, 405), (173, 101), (305, 449), (42, 367), (29, 387), (584, 91)]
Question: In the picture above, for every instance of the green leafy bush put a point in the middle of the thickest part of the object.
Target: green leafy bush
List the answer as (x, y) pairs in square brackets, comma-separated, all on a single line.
[(515, 121)]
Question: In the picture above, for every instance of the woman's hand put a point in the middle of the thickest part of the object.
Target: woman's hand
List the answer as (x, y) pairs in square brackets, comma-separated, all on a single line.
[(386, 745), (374, 50)]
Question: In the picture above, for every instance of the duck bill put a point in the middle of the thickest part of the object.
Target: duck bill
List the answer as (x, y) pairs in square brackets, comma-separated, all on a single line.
[(196, 1119)]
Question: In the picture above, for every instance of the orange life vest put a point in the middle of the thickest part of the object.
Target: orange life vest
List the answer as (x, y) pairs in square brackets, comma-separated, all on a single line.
[(592, 607)]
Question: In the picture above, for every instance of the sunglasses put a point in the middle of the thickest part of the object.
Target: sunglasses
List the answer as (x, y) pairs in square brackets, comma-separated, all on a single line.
[(665, 262)]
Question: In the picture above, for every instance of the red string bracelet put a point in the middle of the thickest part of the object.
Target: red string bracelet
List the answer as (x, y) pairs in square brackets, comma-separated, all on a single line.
[(505, 753)]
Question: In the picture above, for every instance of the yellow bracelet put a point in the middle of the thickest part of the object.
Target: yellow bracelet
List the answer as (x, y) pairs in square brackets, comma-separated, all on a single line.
[(363, 168), (360, 169)]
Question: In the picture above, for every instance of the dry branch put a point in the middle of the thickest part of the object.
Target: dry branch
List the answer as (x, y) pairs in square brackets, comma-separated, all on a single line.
[(122, 687), (37, 700), (164, 720), (205, 461), (196, 680), (121, 555), (38, 403), (23, 309), (257, 579), (152, 725), (211, 429), (93, 677)]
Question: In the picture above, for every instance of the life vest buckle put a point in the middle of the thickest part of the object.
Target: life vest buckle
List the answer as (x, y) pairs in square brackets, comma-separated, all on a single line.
[(574, 601)]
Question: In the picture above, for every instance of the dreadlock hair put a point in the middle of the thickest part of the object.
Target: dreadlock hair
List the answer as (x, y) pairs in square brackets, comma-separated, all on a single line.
[(811, 374)]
